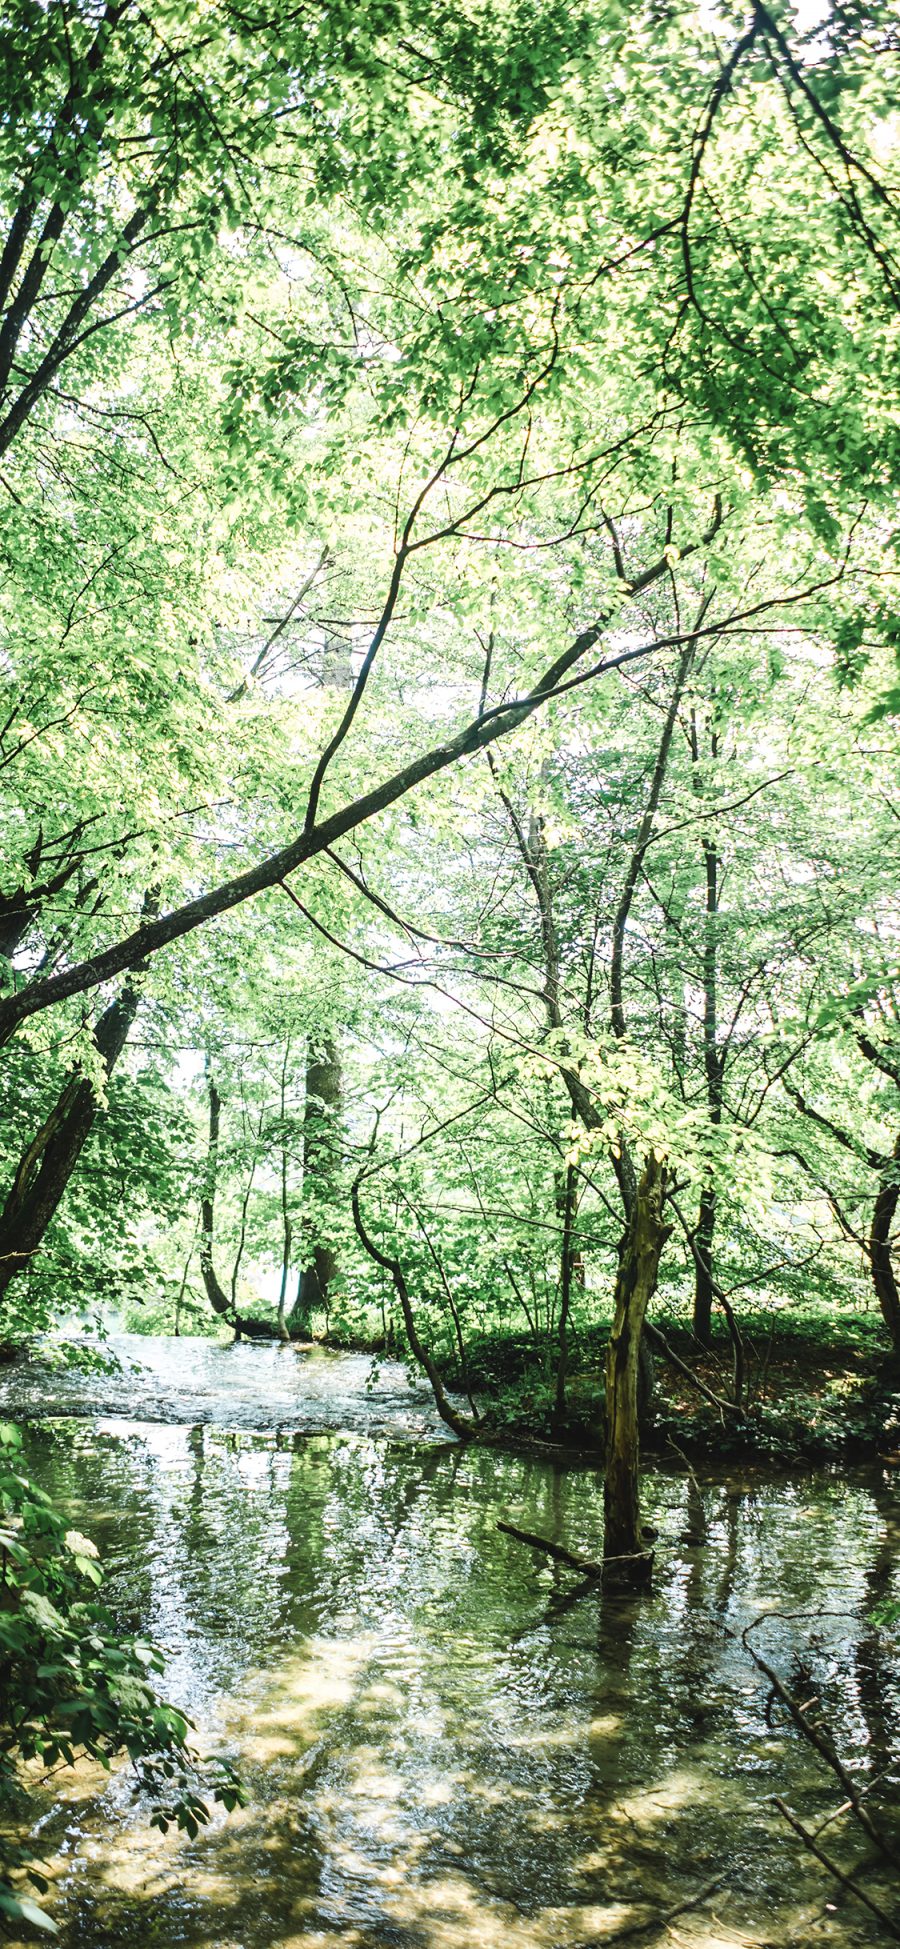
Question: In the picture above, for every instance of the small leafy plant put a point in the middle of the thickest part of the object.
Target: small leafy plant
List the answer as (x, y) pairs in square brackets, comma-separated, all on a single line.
[(72, 1684)]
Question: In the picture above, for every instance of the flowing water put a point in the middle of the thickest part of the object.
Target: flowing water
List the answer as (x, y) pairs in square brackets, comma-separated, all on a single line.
[(448, 1742)]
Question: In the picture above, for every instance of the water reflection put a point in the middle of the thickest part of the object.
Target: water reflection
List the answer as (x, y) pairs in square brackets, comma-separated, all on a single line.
[(448, 1742)]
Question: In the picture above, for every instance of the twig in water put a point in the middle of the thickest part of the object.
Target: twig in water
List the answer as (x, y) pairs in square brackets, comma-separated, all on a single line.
[(660, 1920), (837, 1872), (561, 1555), (554, 1550), (820, 1740)]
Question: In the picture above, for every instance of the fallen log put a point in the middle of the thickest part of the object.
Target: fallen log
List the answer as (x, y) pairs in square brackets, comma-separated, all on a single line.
[(249, 1329), (554, 1550), (584, 1565)]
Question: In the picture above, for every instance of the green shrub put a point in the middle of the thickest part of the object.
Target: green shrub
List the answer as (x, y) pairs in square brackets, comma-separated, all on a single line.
[(72, 1684)]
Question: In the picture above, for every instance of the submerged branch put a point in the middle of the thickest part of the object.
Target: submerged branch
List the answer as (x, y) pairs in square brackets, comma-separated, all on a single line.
[(554, 1550), (584, 1565), (664, 1916), (838, 1873)]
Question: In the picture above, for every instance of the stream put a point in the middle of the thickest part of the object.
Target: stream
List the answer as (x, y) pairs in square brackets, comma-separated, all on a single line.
[(448, 1741)]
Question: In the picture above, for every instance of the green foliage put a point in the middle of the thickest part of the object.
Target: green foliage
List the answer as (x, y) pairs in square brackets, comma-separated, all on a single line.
[(799, 1427), (886, 1616), (457, 359), (374, 381), (75, 1684)]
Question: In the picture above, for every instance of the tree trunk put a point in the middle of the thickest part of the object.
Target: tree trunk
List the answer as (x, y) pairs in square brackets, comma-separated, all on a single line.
[(567, 1273), (646, 1234), (703, 1265), (287, 1222), (223, 1303), (179, 1301), (460, 1425), (46, 1166), (880, 1256), (324, 1093), (713, 1063), (287, 1228), (324, 1097), (283, 1333), (215, 1291)]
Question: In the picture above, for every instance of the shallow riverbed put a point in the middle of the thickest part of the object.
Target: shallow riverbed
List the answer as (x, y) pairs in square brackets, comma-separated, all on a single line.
[(448, 1743)]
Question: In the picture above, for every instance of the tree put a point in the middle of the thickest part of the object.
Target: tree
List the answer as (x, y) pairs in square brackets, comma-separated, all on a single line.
[(538, 395), (528, 354)]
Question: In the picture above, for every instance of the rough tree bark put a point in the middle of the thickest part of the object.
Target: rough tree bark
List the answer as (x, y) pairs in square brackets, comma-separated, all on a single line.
[(645, 1236), (884, 1277), (321, 1120), (215, 1292), (44, 1169)]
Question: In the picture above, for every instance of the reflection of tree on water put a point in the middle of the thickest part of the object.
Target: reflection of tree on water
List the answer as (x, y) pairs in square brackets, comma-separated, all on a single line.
[(446, 1739), (877, 1681)]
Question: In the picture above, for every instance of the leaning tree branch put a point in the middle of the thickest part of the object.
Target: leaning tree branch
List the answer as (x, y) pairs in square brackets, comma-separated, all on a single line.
[(458, 1423), (475, 736), (658, 1339)]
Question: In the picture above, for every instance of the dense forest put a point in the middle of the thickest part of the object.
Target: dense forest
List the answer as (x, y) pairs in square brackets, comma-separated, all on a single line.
[(449, 897)]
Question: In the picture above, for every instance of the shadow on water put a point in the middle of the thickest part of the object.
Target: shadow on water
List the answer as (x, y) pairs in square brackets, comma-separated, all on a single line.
[(448, 1742)]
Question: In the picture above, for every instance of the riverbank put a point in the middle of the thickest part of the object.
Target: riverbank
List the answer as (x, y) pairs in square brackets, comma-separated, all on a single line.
[(813, 1388)]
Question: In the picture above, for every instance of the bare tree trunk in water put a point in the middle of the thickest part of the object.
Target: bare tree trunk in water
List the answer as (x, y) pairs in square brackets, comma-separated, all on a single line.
[(642, 1247), (44, 1169), (321, 1145)]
